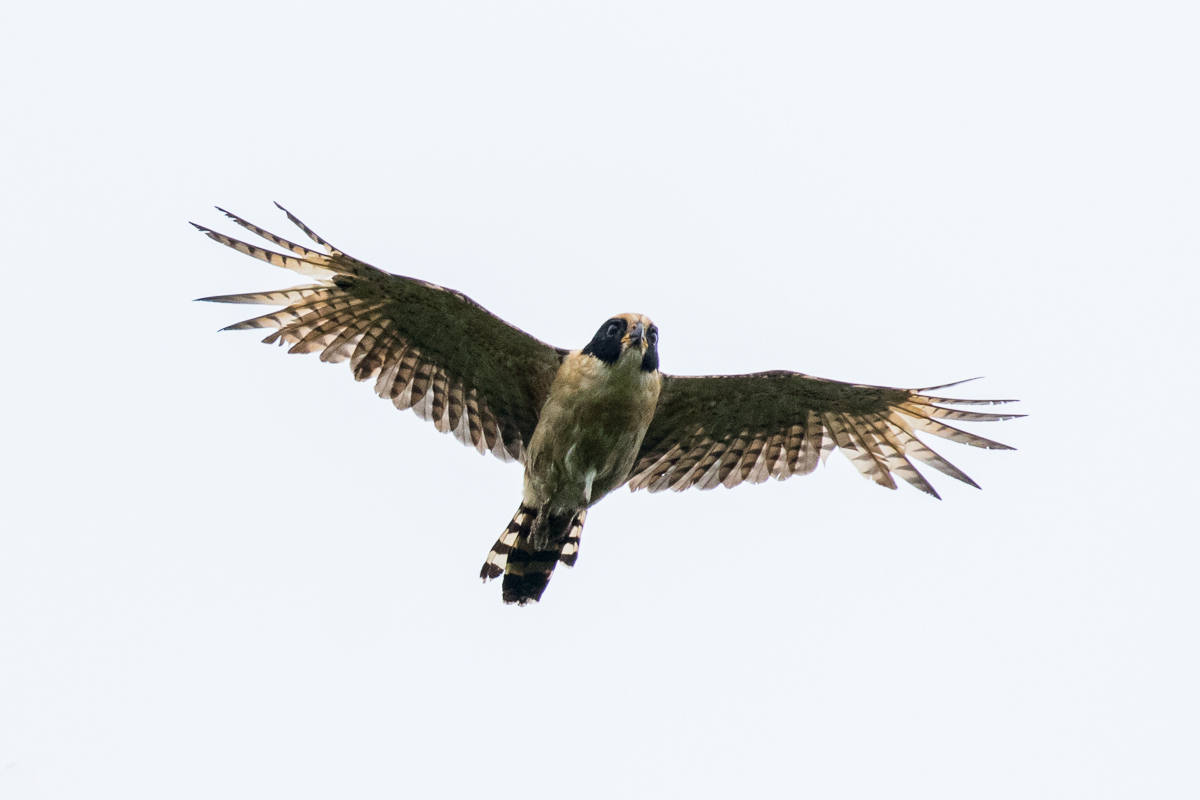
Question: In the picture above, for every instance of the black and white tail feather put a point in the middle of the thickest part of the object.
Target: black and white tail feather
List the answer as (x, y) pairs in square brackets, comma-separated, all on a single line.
[(525, 554)]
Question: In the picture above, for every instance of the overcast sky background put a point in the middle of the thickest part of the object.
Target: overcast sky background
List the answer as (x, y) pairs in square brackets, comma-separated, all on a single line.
[(228, 572)]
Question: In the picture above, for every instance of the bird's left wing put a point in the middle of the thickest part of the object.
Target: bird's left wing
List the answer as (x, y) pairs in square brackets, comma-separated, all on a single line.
[(728, 429), (429, 348)]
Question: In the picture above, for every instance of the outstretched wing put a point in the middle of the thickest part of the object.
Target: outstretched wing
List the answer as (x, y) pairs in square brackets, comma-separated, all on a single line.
[(726, 429), (429, 348)]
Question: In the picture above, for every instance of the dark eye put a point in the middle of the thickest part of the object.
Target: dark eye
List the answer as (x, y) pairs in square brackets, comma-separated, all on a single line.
[(652, 337), (613, 330)]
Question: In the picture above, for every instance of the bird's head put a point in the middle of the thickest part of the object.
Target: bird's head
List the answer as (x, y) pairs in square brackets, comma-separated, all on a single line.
[(626, 338)]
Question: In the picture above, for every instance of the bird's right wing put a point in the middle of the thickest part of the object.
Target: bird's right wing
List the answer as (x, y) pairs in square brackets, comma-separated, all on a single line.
[(715, 430), (428, 348)]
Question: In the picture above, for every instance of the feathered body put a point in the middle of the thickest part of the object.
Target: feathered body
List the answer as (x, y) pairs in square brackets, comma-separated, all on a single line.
[(590, 430), (584, 422), (587, 439)]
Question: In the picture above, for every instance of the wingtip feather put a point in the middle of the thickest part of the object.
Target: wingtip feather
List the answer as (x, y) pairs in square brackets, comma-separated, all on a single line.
[(948, 385)]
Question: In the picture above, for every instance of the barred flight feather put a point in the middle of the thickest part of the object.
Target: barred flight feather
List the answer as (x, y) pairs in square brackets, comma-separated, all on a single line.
[(899, 465), (756, 464), (314, 266), (347, 342), (454, 408), (309, 232), (926, 425), (705, 476), (411, 336), (950, 401), (728, 462), (388, 353), (279, 241), (937, 412), (281, 298), (793, 459), (822, 441)]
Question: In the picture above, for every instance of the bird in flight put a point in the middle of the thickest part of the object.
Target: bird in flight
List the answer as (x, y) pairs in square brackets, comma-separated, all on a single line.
[(584, 422)]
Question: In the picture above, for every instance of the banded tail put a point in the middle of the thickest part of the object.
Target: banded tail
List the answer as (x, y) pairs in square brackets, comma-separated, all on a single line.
[(525, 554)]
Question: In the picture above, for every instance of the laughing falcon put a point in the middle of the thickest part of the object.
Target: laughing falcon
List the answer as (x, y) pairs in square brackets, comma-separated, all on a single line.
[(584, 422)]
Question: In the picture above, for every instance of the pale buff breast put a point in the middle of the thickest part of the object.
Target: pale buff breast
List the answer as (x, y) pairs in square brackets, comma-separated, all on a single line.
[(589, 431)]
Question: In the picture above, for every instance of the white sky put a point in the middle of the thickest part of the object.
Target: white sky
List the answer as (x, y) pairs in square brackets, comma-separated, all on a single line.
[(227, 572)]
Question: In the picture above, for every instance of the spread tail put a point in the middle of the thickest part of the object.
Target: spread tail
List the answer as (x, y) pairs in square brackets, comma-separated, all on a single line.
[(525, 554)]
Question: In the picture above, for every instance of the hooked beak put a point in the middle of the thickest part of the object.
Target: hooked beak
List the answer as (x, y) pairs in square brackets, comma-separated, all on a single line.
[(636, 335)]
